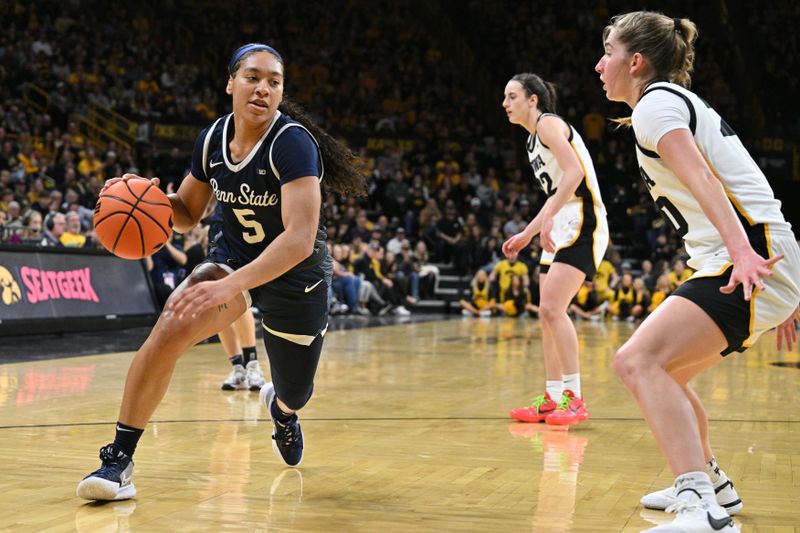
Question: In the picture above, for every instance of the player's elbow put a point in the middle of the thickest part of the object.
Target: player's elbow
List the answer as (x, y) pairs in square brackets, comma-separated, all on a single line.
[(302, 244)]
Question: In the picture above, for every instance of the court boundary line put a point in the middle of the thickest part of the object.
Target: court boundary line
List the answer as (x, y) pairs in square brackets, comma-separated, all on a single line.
[(366, 419)]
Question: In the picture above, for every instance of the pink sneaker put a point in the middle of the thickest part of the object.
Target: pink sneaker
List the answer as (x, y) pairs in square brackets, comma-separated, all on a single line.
[(570, 410), (540, 408)]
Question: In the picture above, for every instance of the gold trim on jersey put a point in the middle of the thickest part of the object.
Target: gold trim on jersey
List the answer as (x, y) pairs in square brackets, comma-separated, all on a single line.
[(752, 318), (594, 208), (715, 274), (737, 206), (585, 178)]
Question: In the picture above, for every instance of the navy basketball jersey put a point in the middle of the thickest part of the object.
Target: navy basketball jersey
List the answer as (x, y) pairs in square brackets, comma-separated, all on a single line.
[(248, 192)]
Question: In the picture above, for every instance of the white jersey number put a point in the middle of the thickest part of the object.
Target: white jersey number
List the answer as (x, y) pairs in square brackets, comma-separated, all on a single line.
[(547, 184), (672, 214), (254, 231)]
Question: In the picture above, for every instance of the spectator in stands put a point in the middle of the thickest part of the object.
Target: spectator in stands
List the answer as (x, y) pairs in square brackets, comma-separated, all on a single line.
[(428, 273), (54, 226), (515, 300), (504, 272), (346, 285), (370, 266), (449, 234), (397, 242), (73, 236), (14, 216), (479, 304), (89, 165), (407, 268), (605, 280), (32, 231), (623, 300), (586, 303), (641, 301), (660, 294), (648, 277), (679, 273)]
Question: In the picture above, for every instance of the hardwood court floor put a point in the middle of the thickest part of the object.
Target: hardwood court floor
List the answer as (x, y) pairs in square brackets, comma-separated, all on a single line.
[(407, 431)]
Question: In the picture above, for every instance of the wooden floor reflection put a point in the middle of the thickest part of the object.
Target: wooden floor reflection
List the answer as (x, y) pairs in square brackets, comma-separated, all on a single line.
[(407, 431)]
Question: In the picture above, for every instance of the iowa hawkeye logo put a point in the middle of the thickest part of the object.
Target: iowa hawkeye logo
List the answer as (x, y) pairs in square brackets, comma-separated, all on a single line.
[(9, 289)]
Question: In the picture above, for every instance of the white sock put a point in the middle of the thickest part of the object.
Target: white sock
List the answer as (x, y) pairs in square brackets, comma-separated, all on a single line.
[(695, 484), (717, 475), (554, 388), (573, 383)]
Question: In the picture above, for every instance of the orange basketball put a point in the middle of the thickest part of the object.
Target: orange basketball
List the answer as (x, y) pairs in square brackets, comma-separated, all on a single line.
[(133, 218)]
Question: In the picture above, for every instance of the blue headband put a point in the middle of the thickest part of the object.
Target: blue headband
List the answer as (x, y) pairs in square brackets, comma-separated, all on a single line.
[(252, 47)]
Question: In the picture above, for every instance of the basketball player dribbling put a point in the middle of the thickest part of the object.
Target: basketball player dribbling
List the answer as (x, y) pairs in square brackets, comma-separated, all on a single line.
[(745, 256), (266, 169), (574, 235)]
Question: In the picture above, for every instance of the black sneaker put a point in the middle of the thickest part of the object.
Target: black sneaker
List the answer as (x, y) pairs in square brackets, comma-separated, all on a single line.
[(112, 481), (287, 439)]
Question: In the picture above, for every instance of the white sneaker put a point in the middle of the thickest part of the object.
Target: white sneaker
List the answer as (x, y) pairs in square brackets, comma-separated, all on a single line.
[(698, 516), (236, 379), (254, 378), (727, 497), (401, 311), (485, 313)]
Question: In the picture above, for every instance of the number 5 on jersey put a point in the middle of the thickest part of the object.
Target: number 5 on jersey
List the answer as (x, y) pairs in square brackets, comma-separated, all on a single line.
[(254, 231)]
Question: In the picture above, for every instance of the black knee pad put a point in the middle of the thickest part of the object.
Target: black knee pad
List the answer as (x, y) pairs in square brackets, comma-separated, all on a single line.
[(293, 367)]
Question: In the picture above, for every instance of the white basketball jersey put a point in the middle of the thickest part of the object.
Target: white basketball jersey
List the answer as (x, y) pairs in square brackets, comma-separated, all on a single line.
[(549, 174), (665, 107)]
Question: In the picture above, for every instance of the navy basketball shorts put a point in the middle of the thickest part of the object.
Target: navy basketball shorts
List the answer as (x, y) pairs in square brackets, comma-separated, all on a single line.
[(294, 318)]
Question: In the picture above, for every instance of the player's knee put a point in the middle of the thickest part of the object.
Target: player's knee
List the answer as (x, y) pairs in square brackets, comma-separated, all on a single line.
[(549, 312), (294, 396), (627, 364), (206, 272)]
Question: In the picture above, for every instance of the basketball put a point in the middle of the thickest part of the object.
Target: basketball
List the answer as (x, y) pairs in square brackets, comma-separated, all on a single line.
[(133, 218)]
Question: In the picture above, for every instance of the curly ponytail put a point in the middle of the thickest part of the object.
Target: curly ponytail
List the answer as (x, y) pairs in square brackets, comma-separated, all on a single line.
[(342, 176)]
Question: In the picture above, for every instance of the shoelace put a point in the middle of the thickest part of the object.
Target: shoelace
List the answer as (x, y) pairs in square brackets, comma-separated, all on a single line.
[(684, 506), (286, 434), (563, 402), (539, 401)]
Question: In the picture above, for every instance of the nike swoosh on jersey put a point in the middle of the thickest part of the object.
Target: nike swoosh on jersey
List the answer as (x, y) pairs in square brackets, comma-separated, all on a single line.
[(212, 164), (311, 288), (719, 523)]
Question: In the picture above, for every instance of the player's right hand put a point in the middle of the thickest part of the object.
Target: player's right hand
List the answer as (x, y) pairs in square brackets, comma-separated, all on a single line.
[(787, 332), (125, 177), (515, 244)]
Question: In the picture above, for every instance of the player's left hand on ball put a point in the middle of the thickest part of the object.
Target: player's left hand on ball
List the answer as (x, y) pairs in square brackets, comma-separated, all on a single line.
[(194, 300)]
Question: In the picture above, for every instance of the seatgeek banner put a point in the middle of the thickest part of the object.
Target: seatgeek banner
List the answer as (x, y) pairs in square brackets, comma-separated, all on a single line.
[(66, 285)]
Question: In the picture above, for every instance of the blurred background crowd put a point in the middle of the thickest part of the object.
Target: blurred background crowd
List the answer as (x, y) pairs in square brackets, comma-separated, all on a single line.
[(414, 88)]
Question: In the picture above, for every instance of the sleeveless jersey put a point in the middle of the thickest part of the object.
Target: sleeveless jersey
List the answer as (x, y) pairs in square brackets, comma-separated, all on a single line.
[(665, 107), (549, 174), (249, 192)]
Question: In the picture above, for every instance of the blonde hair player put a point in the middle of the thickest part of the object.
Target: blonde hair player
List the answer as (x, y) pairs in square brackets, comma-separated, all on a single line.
[(574, 235), (746, 259)]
